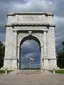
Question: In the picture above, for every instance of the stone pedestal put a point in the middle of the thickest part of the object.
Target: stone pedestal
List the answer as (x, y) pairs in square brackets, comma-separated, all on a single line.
[(46, 64)]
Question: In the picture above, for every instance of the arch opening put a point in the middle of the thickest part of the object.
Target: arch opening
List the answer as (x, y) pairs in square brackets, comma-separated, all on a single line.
[(29, 53)]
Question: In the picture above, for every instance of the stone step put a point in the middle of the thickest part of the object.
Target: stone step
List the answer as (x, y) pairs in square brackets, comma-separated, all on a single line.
[(29, 71)]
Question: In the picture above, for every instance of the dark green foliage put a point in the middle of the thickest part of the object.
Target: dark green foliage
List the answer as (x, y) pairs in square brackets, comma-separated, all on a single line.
[(31, 69), (2, 51), (63, 45), (3, 71), (60, 57), (60, 71)]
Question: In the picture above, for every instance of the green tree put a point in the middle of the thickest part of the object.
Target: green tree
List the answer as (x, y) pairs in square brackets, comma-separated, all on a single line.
[(60, 57), (63, 46), (2, 51)]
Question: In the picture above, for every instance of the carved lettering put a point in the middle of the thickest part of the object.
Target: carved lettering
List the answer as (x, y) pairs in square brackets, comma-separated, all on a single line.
[(31, 17)]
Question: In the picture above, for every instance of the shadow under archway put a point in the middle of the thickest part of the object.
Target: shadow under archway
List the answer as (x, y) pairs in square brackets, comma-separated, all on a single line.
[(30, 39)]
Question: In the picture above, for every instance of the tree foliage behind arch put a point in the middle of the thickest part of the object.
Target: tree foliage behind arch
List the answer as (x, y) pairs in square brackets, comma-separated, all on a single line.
[(2, 51), (60, 57)]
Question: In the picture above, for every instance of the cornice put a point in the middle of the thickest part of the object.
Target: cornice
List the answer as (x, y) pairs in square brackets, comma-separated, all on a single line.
[(31, 13), (47, 25)]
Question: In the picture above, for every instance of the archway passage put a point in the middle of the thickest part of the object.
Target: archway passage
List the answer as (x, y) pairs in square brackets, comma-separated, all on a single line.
[(29, 53)]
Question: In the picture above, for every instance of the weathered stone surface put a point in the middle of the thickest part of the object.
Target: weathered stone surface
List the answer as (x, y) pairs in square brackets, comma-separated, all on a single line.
[(19, 26)]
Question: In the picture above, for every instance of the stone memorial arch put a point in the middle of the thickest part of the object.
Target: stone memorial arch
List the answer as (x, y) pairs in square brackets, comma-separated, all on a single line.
[(31, 25)]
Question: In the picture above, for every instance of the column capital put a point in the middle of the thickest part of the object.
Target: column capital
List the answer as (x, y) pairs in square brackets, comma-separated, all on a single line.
[(15, 31)]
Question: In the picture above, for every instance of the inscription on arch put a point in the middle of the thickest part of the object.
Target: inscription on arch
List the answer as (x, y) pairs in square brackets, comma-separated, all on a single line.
[(31, 17)]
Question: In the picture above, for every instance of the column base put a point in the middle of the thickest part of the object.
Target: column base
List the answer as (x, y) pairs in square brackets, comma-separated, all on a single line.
[(49, 64), (46, 65)]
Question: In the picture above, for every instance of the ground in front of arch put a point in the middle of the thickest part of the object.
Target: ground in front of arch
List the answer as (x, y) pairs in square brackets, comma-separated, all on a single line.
[(32, 79)]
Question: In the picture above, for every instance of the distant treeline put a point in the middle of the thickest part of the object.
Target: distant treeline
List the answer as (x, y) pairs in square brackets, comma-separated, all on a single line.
[(30, 68)]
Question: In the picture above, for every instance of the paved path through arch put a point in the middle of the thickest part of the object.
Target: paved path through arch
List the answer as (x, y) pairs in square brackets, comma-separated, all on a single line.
[(32, 79)]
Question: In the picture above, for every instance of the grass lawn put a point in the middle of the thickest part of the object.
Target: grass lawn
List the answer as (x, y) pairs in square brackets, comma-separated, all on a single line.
[(60, 71), (3, 71)]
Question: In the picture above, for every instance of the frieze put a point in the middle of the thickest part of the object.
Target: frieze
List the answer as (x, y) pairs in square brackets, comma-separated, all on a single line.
[(38, 34), (26, 28), (20, 35)]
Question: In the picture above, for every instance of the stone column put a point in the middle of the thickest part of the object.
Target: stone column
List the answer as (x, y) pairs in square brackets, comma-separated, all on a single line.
[(18, 53), (45, 58), (15, 44), (45, 44), (14, 49), (41, 60)]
